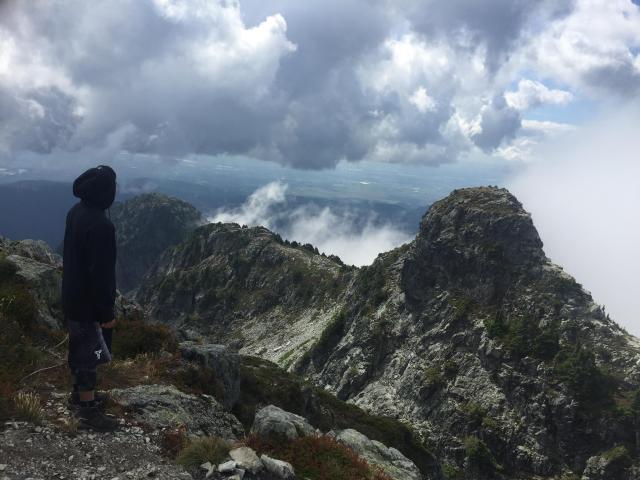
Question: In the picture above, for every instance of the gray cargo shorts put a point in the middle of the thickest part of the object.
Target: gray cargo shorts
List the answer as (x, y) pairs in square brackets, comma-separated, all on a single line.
[(87, 348)]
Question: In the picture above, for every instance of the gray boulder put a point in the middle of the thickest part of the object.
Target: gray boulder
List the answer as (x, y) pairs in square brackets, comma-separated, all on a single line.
[(394, 463), (246, 459), (45, 282), (225, 365), (278, 468), (273, 423), (611, 464), (166, 406), (37, 250)]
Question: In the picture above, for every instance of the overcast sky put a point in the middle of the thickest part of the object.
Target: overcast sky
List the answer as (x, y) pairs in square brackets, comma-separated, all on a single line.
[(307, 83), (549, 87)]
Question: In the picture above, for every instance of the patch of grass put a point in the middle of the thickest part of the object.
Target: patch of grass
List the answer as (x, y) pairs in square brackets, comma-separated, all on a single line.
[(319, 458), (27, 407), (134, 336), (451, 472), (202, 450), (618, 454), (478, 416), (192, 377)]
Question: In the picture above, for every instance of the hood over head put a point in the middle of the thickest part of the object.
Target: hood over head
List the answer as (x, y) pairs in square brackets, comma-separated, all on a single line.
[(96, 186)]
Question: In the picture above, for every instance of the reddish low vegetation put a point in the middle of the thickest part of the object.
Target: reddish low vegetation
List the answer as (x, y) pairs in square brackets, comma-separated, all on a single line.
[(318, 458)]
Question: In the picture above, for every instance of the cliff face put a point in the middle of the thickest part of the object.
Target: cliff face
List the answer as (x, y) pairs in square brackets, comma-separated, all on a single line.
[(477, 336), (500, 360), (146, 226), (246, 287)]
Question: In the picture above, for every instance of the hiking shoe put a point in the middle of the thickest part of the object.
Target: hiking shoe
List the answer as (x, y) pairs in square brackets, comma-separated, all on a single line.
[(99, 398), (93, 418)]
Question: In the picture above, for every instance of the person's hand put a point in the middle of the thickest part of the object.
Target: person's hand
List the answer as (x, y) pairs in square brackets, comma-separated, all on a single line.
[(110, 324)]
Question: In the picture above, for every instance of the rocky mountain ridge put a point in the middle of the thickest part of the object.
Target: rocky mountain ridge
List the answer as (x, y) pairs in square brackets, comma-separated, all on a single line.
[(467, 349), (187, 410), (146, 226), (500, 360)]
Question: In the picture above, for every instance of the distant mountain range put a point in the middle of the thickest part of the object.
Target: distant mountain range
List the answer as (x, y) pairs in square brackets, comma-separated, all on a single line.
[(36, 209)]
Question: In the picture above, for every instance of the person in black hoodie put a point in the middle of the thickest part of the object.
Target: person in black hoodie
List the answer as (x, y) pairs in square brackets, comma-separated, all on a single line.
[(89, 290)]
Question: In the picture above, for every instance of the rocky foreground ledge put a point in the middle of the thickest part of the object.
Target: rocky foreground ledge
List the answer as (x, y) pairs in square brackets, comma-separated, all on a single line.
[(154, 420)]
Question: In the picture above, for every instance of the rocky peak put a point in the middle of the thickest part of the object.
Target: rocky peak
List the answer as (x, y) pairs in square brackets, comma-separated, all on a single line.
[(146, 226), (475, 240)]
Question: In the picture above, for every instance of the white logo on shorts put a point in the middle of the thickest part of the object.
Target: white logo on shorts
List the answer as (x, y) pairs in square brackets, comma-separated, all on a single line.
[(98, 353)]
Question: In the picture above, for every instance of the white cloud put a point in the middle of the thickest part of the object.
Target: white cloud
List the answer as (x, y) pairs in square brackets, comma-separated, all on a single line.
[(533, 94), (305, 84), (332, 233), (592, 48), (422, 101), (181, 77), (257, 210), (583, 193)]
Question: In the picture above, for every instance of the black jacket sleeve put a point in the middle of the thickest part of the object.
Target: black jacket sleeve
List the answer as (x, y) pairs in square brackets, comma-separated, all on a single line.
[(101, 259)]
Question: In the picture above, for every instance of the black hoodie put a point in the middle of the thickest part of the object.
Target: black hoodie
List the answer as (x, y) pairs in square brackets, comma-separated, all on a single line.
[(89, 277)]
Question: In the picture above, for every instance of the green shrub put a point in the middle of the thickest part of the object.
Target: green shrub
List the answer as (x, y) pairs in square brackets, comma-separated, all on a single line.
[(134, 336), (591, 386), (523, 336), (198, 379), (451, 472), (372, 283), (474, 412), (202, 450), (618, 454), (496, 328)]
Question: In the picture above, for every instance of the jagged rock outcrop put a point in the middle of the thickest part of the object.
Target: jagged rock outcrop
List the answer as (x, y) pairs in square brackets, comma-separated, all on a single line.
[(224, 364), (165, 406), (611, 464), (146, 226), (390, 460), (41, 271), (247, 288), (469, 339), (501, 361)]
